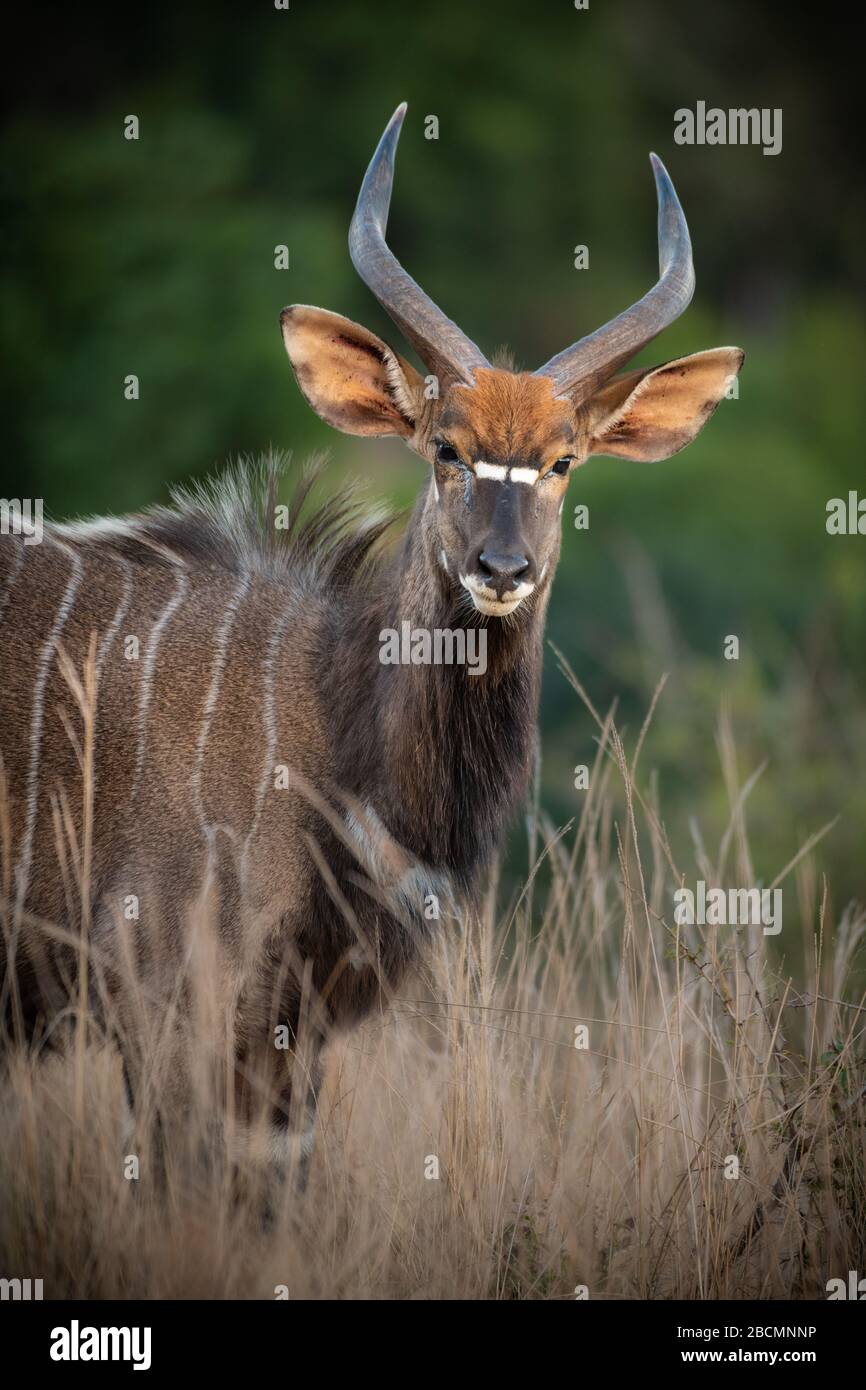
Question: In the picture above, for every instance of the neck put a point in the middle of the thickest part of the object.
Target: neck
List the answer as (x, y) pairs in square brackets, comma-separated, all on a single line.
[(444, 756)]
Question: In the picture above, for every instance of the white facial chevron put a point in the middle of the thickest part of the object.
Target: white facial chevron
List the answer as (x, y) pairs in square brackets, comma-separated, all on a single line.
[(498, 472)]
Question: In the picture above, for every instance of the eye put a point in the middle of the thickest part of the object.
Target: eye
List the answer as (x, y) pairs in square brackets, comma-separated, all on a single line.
[(446, 453), (562, 465)]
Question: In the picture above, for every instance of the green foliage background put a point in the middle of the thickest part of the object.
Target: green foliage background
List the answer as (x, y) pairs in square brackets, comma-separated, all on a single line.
[(156, 257)]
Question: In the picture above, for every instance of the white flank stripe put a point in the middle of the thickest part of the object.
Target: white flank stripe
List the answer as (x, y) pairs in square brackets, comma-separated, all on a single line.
[(111, 632), (210, 703), (46, 658), (180, 588), (269, 719)]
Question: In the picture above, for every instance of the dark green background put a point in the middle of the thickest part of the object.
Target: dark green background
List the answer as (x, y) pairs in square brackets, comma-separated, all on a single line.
[(156, 257)]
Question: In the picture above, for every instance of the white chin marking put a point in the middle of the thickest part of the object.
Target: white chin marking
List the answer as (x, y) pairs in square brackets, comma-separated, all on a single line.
[(493, 608), (486, 600)]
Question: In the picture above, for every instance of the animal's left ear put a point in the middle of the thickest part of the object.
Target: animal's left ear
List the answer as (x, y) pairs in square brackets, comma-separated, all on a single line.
[(654, 412)]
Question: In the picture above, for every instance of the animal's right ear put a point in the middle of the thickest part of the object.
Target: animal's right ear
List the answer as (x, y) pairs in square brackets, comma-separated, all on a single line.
[(351, 378)]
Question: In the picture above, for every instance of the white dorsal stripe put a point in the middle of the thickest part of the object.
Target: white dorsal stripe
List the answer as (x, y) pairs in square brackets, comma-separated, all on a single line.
[(89, 528), (117, 528)]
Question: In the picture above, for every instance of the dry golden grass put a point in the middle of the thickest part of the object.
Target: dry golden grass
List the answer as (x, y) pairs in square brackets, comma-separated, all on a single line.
[(558, 1167)]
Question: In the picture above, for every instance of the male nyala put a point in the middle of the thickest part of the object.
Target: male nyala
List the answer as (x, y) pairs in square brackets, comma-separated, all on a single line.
[(251, 761)]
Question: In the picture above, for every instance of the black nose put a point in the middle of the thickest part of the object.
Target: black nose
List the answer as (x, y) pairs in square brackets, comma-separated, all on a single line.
[(502, 572)]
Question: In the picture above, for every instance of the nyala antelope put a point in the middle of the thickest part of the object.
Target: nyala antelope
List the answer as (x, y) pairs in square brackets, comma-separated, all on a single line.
[(256, 756)]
